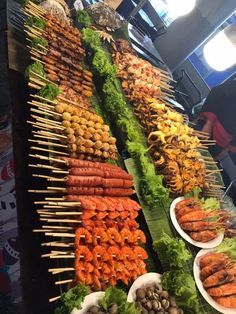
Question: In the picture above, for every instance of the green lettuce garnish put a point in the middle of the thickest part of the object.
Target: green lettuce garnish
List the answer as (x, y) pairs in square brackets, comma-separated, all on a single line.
[(181, 285), (35, 67), (173, 250), (72, 299), (210, 203), (50, 91), (228, 246), (194, 193), (36, 21), (119, 297), (38, 42), (84, 18)]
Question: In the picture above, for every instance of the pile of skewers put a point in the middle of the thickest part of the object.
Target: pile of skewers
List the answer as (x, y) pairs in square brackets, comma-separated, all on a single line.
[(175, 147), (106, 236), (217, 273), (70, 131), (57, 46), (202, 225), (139, 78)]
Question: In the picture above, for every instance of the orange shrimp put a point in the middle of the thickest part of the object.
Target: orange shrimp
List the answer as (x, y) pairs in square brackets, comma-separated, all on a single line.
[(114, 236), (110, 205), (80, 276), (99, 236), (139, 236), (127, 253), (89, 224), (110, 223), (223, 290), (86, 266), (140, 253), (101, 215), (126, 236), (203, 236), (186, 209), (189, 202), (99, 253), (82, 252), (132, 224), (212, 257), (87, 214), (220, 277), (113, 214), (114, 252), (96, 282), (99, 223), (82, 235), (133, 214), (229, 301), (199, 225), (116, 203), (124, 215), (197, 216), (100, 205), (133, 205), (213, 267)]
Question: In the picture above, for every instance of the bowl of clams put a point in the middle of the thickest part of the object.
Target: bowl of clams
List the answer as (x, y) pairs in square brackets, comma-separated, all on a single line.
[(150, 297)]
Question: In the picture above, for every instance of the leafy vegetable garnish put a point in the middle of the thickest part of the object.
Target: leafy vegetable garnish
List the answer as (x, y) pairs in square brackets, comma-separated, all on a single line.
[(50, 91), (119, 297), (228, 246), (35, 67), (73, 299), (151, 187), (172, 250), (36, 21), (182, 286), (194, 193), (210, 203), (84, 18), (38, 42)]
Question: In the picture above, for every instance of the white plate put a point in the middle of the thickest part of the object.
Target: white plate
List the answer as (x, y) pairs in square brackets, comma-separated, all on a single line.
[(89, 300), (207, 245), (206, 296), (141, 282)]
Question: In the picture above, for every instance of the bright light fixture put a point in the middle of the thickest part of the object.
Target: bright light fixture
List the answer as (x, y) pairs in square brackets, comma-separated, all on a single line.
[(220, 52), (180, 8)]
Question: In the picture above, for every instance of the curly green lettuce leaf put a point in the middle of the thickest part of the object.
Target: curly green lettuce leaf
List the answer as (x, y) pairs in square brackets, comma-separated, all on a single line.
[(119, 297), (102, 63), (228, 246), (36, 21), (91, 38), (84, 18), (181, 285), (210, 203), (73, 299), (39, 43), (35, 67), (173, 250), (50, 91), (194, 193)]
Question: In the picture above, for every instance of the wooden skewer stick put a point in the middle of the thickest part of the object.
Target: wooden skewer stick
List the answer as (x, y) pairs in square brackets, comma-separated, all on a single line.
[(36, 135), (62, 282), (43, 105), (51, 122), (62, 256), (58, 244), (34, 86), (60, 220), (40, 191), (47, 133), (55, 102), (60, 171), (43, 166), (54, 299), (217, 186), (47, 143), (43, 78), (62, 235), (58, 227), (36, 59), (52, 270), (48, 158), (37, 7), (56, 188), (49, 151), (69, 204)]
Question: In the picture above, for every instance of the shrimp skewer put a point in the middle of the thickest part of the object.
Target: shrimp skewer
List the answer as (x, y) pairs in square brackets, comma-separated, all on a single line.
[(200, 225), (223, 290), (227, 301), (197, 216), (203, 236), (212, 257), (213, 267), (221, 277)]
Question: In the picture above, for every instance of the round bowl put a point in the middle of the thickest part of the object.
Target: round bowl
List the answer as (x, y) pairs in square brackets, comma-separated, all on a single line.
[(204, 245), (90, 300)]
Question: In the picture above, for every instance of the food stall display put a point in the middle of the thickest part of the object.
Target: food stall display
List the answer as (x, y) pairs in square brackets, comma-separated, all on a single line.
[(87, 205)]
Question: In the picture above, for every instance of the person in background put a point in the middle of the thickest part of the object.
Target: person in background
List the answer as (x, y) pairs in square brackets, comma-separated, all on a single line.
[(219, 122), (219, 114)]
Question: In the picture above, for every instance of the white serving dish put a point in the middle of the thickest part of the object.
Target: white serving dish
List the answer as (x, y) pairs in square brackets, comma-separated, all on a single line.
[(207, 245), (206, 296), (141, 282), (89, 300)]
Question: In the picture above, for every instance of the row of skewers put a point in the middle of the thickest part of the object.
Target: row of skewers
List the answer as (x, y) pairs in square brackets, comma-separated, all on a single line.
[(57, 47), (106, 236), (176, 148)]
